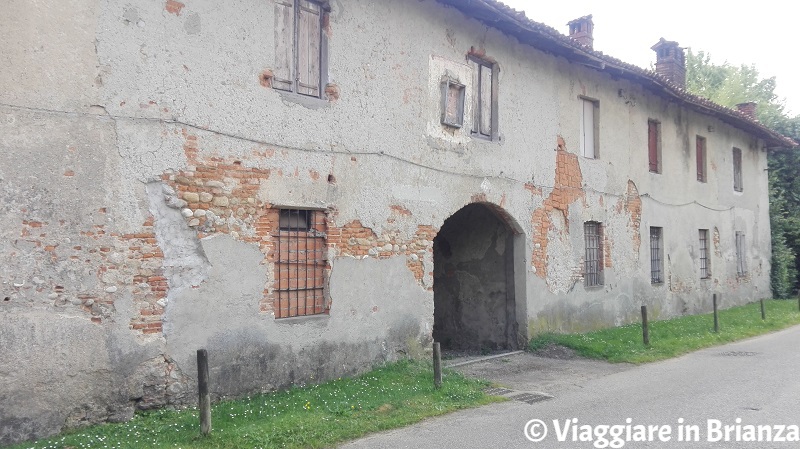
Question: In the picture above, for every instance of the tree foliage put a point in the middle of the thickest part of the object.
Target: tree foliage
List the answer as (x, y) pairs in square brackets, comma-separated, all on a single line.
[(729, 85)]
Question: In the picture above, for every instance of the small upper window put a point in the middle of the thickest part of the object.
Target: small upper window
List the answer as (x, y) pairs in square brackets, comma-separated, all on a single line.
[(589, 128), (484, 98), (737, 170), (300, 47), (294, 220), (452, 103), (654, 145), (701, 159)]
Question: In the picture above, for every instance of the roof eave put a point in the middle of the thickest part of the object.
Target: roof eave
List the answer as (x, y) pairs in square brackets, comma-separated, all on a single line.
[(546, 38)]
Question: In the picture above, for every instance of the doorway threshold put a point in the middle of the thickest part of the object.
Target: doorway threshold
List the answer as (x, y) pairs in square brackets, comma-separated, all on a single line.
[(467, 360)]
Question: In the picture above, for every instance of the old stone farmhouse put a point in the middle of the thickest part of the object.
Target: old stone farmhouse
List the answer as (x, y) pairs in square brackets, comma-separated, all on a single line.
[(305, 188)]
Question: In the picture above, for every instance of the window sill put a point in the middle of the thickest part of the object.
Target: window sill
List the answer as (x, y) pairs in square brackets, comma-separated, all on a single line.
[(481, 138), (302, 319), (303, 100), (594, 287), (657, 284)]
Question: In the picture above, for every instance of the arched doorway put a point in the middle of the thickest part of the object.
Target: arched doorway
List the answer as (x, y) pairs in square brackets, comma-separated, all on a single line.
[(474, 287)]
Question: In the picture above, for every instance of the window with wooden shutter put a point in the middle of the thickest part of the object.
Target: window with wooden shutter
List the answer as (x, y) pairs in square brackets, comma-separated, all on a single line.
[(299, 47), (741, 254), (737, 170), (484, 99), (588, 128), (654, 145), (701, 159), (453, 94)]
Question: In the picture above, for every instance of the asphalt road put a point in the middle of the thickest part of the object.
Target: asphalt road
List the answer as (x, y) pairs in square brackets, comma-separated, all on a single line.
[(756, 381)]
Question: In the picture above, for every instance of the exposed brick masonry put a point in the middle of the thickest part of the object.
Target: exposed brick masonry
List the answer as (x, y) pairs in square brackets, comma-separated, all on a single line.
[(567, 189), (221, 196)]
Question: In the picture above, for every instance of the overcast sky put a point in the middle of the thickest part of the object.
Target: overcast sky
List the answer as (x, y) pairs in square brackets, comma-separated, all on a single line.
[(765, 32)]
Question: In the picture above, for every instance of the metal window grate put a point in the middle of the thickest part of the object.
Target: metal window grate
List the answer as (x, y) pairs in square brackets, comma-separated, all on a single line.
[(300, 263), (705, 265), (656, 260), (592, 264), (741, 264)]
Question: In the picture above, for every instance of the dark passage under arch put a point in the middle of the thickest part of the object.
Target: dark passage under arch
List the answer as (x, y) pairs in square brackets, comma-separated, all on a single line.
[(473, 286)]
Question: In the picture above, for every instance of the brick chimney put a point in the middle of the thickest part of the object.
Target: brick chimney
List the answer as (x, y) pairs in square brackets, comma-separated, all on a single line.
[(748, 109), (670, 61), (581, 30)]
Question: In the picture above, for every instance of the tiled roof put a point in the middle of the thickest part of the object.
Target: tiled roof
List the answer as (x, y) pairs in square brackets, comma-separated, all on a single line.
[(515, 23)]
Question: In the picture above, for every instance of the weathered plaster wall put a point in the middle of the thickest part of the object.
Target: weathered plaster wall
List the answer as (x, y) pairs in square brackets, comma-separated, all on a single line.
[(143, 162)]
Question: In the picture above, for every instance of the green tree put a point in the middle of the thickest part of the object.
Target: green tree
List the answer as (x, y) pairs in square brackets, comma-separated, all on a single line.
[(729, 85)]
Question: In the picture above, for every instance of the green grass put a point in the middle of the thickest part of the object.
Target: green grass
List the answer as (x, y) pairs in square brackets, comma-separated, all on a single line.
[(392, 396), (670, 338)]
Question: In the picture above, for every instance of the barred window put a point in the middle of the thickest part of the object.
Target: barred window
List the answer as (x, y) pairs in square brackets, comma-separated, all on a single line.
[(705, 260), (300, 245), (741, 254), (656, 256), (593, 264)]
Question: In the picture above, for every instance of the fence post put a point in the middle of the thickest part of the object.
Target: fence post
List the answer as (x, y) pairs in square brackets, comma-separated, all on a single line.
[(202, 387), (716, 317), (645, 328), (763, 312), (437, 365)]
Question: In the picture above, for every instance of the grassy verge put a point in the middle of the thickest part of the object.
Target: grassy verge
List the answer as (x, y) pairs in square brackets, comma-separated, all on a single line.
[(317, 416), (670, 338)]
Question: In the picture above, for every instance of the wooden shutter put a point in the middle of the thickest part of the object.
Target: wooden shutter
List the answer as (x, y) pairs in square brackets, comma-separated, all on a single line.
[(308, 48), (486, 100), (283, 73), (476, 96), (652, 145), (587, 129), (737, 170), (701, 159)]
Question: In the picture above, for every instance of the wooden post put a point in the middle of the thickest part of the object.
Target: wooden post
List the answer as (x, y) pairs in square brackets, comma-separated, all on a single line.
[(202, 386), (437, 365), (645, 328), (763, 312), (716, 316)]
